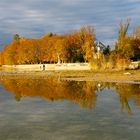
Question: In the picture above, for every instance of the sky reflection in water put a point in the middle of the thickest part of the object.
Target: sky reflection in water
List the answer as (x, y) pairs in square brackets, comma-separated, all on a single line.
[(54, 109)]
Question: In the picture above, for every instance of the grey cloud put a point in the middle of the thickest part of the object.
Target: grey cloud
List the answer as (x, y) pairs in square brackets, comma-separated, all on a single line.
[(33, 18)]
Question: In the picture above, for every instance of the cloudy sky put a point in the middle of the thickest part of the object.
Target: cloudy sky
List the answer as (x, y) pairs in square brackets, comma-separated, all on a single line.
[(33, 18)]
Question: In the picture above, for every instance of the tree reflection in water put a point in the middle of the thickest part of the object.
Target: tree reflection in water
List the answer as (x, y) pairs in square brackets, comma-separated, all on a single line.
[(126, 92), (82, 93)]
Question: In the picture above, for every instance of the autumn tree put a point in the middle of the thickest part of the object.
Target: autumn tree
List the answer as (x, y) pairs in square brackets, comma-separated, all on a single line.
[(87, 38), (81, 44), (128, 46), (123, 29), (135, 48), (76, 46)]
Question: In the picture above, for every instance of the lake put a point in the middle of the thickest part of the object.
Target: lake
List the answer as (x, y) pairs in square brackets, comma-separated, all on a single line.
[(53, 109)]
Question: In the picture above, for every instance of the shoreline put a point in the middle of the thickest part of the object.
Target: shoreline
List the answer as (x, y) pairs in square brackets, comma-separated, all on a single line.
[(129, 76)]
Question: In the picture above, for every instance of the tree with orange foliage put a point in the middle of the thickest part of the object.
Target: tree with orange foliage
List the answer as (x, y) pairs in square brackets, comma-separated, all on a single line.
[(73, 47)]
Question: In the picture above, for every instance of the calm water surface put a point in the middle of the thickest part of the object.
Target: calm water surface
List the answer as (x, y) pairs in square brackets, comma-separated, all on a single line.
[(51, 109)]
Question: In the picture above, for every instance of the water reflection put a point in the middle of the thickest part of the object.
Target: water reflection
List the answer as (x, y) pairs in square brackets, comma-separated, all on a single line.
[(128, 93), (82, 93)]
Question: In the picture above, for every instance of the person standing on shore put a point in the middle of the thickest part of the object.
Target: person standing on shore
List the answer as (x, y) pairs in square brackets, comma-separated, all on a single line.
[(43, 67)]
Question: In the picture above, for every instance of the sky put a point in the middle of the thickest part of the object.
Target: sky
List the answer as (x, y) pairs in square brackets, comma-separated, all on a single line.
[(34, 18)]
